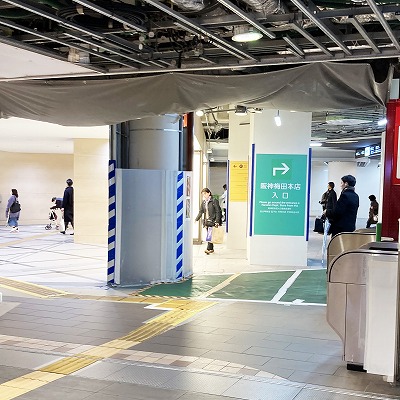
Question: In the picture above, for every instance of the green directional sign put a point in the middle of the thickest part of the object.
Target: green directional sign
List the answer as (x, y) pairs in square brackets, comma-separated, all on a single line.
[(280, 194)]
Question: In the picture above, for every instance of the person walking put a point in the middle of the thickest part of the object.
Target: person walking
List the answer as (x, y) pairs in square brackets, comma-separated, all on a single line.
[(373, 211), (343, 216), (223, 199), (212, 215), (68, 205), (13, 210)]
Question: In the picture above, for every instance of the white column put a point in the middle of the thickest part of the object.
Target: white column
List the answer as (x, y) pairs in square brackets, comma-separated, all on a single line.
[(90, 190), (238, 151), (290, 141)]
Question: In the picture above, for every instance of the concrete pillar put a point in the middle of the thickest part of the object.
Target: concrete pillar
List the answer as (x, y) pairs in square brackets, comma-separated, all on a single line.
[(238, 156), (150, 239), (90, 190), (278, 208)]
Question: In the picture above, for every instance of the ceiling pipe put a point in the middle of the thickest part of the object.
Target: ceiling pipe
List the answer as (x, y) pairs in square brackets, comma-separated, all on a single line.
[(384, 23), (306, 11), (111, 15), (68, 44), (52, 17), (247, 18), (292, 44), (364, 34), (200, 29), (310, 38), (107, 48)]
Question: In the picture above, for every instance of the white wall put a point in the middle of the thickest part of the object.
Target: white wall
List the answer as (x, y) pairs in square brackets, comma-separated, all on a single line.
[(368, 182), (217, 178), (37, 177)]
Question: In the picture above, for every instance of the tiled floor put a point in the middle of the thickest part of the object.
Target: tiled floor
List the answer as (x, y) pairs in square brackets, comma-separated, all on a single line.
[(231, 349)]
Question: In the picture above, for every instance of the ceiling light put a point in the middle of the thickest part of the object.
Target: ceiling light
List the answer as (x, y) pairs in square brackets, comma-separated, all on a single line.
[(277, 119), (199, 113), (209, 151), (245, 34), (382, 122), (315, 144), (241, 110)]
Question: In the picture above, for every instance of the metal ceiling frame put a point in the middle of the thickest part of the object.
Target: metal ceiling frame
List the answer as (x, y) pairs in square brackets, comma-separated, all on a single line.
[(123, 56)]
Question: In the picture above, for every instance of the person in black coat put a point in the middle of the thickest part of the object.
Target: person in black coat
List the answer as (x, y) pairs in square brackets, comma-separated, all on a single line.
[(331, 198), (68, 205), (344, 214), (373, 211), (212, 214)]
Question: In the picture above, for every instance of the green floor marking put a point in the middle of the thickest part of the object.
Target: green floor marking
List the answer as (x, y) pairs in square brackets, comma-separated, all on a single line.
[(192, 287), (310, 286), (257, 286)]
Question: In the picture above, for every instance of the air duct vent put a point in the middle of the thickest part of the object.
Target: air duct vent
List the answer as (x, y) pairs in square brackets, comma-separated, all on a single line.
[(363, 162)]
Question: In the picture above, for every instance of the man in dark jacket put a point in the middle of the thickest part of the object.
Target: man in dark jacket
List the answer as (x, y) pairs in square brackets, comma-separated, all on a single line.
[(344, 214), (212, 214), (68, 205)]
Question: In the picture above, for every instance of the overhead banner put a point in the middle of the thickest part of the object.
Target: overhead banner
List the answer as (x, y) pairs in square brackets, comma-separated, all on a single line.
[(280, 194)]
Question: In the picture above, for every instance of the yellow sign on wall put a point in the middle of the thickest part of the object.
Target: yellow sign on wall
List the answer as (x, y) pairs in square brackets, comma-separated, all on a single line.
[(238, 180)]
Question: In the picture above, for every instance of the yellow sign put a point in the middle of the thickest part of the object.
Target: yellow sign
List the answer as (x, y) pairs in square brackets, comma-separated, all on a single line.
[(238, 180)]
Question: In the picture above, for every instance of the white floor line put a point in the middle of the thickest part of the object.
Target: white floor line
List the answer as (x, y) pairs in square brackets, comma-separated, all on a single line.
[(281, 292)]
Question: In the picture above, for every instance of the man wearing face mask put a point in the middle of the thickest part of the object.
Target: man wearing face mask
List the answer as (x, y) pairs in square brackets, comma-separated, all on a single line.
[(343, 216)]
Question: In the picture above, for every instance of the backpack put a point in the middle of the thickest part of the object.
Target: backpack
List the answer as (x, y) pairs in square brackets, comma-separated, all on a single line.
[(15, 207)]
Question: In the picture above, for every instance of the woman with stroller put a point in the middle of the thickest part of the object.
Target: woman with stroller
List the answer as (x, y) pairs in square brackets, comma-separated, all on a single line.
[(13, 209), (53, 215)]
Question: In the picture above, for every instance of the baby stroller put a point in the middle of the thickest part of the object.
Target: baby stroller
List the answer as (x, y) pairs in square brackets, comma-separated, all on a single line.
[(53, 218)]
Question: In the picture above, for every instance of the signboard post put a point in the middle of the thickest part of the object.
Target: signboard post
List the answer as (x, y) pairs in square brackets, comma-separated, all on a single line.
[(280, 194)]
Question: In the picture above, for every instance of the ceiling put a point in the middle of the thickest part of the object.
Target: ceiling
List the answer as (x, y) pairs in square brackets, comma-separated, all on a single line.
[(111, 38)]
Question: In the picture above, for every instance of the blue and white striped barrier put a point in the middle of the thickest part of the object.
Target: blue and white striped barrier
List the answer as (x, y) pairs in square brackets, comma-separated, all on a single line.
[(179, 225), (111, 222)]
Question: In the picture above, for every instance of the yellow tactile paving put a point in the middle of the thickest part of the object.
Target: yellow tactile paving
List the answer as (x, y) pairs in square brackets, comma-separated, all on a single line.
[(118, 344), (24, 384), (181, 310), (69, 365), (121, 299), (147, 331), (31, 288)]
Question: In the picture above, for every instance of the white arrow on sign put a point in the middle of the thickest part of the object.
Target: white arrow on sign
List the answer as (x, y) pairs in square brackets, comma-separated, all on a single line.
[(284, 168)]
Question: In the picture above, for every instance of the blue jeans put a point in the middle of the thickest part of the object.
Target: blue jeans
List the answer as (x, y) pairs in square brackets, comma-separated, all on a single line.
[(13, 221)]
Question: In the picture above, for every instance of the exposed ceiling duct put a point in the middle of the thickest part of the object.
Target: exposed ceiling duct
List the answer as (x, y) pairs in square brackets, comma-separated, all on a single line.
[(190, 5)]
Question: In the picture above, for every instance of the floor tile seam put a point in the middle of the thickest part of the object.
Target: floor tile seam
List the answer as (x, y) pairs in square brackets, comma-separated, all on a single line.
[(74, 363), (275, 380), (128, 353), (26, 239)]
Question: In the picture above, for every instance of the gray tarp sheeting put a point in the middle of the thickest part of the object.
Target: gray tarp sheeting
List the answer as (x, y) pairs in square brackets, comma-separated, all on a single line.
[(312, 87)]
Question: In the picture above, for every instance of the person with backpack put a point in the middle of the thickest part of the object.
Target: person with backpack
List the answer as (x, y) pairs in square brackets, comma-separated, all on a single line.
[(13, 209)]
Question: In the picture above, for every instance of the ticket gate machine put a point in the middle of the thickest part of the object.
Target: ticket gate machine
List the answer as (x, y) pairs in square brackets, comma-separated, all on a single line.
[(362, 306)]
